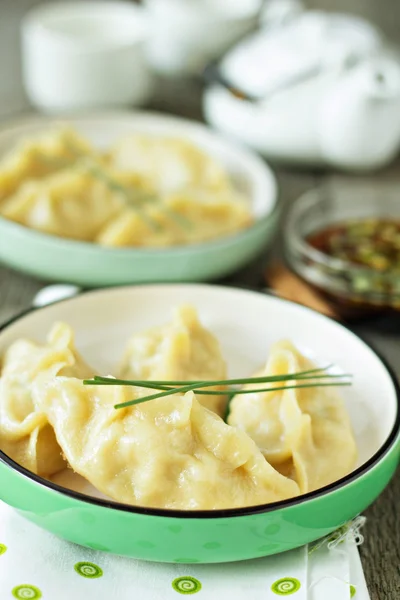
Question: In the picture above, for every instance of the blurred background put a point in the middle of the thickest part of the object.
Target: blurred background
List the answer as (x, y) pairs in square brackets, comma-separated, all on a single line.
[(385, 14)]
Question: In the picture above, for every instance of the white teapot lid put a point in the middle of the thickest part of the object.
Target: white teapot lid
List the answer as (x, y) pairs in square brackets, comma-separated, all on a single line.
[(304, 44)]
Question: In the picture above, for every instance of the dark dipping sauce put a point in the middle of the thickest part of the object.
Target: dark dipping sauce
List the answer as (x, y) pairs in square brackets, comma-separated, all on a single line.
[(372, 243), (370, 250)]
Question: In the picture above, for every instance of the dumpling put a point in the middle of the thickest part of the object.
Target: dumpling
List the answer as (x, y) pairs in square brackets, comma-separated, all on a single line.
[(167, 453), (73, 203), (186, 217), (182, 350), (37, 158), (304, 433), (209, 215), (25, 433), (150, 227), (168, 164)]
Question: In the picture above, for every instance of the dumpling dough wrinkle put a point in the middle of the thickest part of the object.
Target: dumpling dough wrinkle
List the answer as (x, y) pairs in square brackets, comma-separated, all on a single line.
[(168, 453), (25, 434), (148, 191), (71, 203), (32, 160), (168, 164), (305, 433), (182, 350), (188, 216)]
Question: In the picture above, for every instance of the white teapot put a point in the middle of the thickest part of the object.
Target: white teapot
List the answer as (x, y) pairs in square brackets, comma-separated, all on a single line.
[(320, 89), (359, 117)]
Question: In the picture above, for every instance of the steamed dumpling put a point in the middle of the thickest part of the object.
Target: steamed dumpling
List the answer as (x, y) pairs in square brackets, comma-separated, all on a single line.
[(25, 434), (129, 228), (182, 350), (72, 203), (167, 453), (210, 215), (305, 433), (185, 217), (39, 157), (147, 191), (168, 164)]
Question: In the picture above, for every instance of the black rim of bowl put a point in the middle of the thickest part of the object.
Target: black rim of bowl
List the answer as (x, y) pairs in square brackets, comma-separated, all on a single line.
[(217, 513)]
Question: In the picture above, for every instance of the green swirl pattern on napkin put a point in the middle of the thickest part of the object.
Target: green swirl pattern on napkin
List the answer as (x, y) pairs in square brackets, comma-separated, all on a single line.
[(186, 585), (88, 570), (26, 592), (286, 586)]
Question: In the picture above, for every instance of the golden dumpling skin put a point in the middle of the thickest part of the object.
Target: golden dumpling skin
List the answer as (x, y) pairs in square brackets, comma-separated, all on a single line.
[(36, 158), (148, 191), (72, 204), (168, 164), (189, 216), (182, 350), (193, 199), (167, 453), (25, 433), (304, 433)]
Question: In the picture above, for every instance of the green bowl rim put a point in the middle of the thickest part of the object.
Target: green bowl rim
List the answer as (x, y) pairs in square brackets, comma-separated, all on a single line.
[(229, 512), (135, 252)]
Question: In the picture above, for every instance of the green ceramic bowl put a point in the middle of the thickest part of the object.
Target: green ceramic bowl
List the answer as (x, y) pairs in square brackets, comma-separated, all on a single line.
[(91, 265), (246, 324)]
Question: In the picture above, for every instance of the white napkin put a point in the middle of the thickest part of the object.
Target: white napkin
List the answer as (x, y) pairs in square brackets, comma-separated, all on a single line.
[(35, 564)]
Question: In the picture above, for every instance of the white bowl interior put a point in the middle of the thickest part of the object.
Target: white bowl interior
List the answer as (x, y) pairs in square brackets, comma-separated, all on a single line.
[(246, 323), (249, 173)]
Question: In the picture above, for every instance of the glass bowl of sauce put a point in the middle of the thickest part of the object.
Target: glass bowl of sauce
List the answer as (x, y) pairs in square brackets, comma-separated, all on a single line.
[(345, 241)]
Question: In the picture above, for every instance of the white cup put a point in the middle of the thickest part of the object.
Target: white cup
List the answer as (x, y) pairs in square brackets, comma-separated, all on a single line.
[(187, 34), (82, 55)]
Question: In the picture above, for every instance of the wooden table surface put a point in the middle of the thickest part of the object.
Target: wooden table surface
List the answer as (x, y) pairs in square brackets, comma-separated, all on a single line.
[(381, 550)]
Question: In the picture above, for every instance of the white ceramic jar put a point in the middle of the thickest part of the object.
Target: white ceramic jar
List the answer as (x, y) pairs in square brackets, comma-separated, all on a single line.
[(84, 55)]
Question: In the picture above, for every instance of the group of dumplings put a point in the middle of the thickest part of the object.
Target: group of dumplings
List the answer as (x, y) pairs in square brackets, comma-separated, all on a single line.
[(146, 191), (175, 452)]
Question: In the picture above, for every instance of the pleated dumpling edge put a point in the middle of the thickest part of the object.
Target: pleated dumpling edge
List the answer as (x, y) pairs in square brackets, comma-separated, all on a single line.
[(25, 433), (167, 453), (304, 433), (182, 349)]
